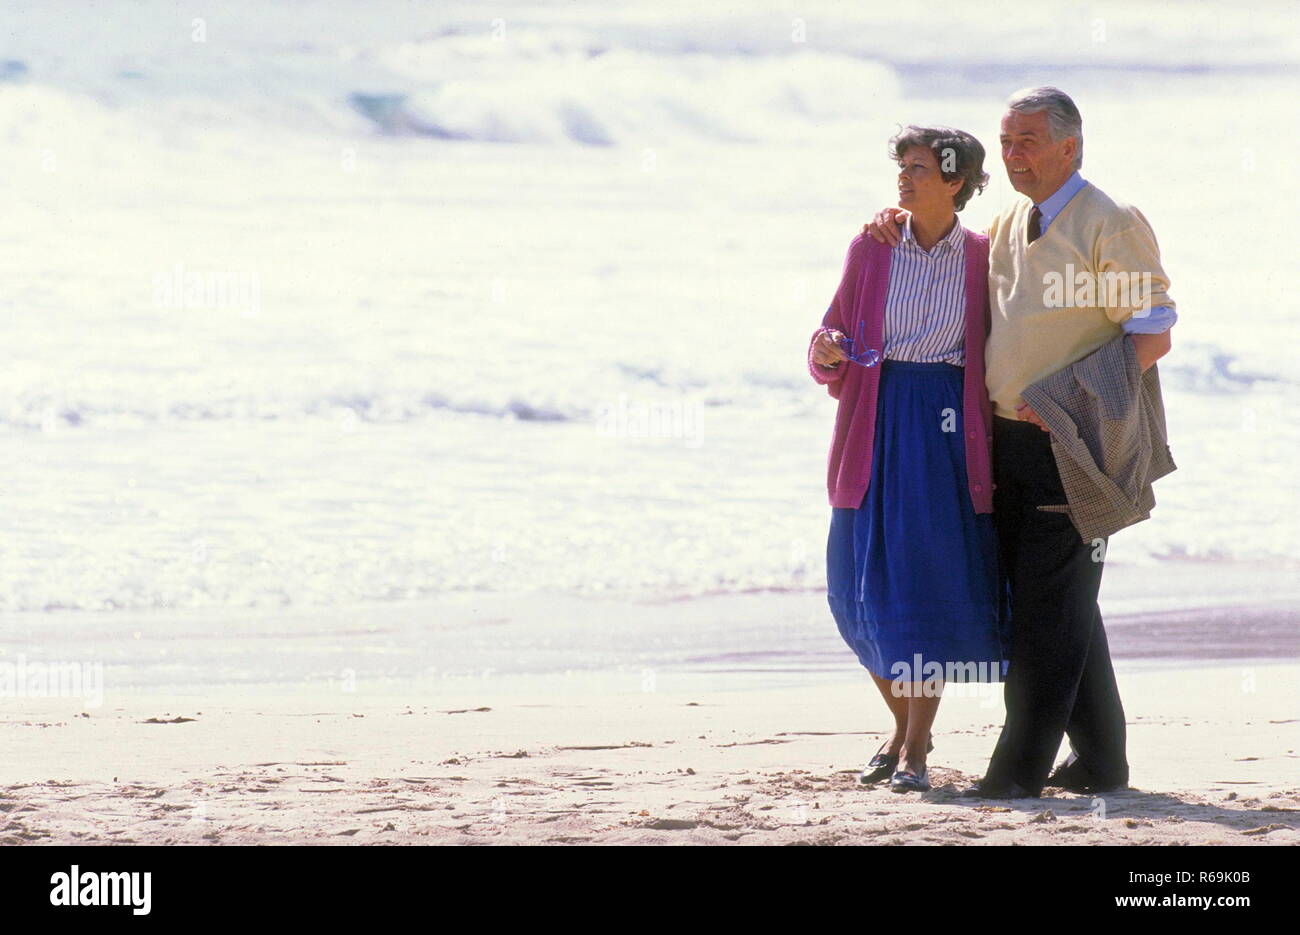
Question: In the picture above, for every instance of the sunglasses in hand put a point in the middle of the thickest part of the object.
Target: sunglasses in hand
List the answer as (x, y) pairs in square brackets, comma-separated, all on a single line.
[(858, 351)]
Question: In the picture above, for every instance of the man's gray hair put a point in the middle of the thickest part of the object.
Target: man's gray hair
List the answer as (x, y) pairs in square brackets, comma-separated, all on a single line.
[(1063, 118)]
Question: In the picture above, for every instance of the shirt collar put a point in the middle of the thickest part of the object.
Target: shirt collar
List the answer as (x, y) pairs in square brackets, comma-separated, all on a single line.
[(1051, 206), (950, 241)]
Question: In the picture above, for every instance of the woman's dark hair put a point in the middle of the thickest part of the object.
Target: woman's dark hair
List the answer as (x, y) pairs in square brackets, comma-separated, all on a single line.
[(960, 156)]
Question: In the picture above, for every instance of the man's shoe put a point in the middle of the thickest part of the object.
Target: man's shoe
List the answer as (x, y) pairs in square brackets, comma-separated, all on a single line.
[(1068, 774), (1074, 777), (1011, 790), (904, 781)]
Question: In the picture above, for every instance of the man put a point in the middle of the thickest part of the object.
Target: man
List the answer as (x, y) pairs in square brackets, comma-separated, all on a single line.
[(1056, 258)]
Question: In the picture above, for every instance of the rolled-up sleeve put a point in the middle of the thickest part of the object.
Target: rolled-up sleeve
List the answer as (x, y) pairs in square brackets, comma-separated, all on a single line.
[(1160, 320), (1134, 288)]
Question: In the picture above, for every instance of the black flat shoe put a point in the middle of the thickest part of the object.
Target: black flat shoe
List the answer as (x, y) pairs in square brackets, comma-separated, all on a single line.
[(881, 766), (903, 781), (1012, 790)]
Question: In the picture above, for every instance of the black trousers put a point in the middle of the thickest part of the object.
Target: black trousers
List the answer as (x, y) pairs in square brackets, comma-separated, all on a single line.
[(1060, 681)]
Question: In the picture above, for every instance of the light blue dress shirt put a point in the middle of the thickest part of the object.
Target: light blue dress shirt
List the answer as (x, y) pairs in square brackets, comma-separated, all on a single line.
[(1162, 317)]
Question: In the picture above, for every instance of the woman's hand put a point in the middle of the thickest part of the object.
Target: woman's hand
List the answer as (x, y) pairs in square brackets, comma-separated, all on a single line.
[(826, 349), (887, 225)]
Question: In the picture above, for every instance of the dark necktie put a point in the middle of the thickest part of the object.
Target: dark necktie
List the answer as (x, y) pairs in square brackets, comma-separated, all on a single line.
[(1034, 230)]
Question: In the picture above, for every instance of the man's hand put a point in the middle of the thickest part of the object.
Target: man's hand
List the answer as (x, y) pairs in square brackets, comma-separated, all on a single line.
[(826, 349), (1150, 347), (886, 225), (1027, 414)]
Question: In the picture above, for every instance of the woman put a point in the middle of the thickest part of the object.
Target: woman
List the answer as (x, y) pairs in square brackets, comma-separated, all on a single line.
[(911, 560)]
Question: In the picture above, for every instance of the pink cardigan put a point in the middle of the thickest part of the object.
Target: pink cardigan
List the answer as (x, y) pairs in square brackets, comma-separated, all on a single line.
[(861, 295)]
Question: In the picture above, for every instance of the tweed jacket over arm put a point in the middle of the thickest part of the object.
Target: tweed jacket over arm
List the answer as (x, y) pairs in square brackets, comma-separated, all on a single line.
[(1109, 440)]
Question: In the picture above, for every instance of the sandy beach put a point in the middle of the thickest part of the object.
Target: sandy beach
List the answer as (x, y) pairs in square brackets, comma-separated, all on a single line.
[(688, 752), (707, 768)]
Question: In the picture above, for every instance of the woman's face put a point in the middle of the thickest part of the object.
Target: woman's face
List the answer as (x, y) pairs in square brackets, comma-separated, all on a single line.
[(920, 184)]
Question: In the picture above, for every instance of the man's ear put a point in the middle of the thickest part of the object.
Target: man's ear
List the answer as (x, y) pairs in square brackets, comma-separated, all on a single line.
[(1071, 147)]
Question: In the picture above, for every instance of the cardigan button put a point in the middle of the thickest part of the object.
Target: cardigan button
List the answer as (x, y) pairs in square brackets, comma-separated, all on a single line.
[(979, 487)]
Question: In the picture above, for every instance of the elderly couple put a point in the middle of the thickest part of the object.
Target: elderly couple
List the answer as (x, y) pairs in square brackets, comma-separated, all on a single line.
[(999, 416)]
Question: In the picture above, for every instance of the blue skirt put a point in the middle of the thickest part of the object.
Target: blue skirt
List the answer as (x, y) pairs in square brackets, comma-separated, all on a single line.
[(912, 573)]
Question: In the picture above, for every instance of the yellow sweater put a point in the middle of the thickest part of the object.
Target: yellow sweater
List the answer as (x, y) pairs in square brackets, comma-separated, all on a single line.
[(1062, 297)]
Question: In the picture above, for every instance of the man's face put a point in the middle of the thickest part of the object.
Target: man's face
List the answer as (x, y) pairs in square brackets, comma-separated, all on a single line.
[(1036, 165)]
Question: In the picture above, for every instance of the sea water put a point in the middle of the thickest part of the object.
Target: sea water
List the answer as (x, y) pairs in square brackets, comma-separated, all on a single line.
[(329, 304)]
